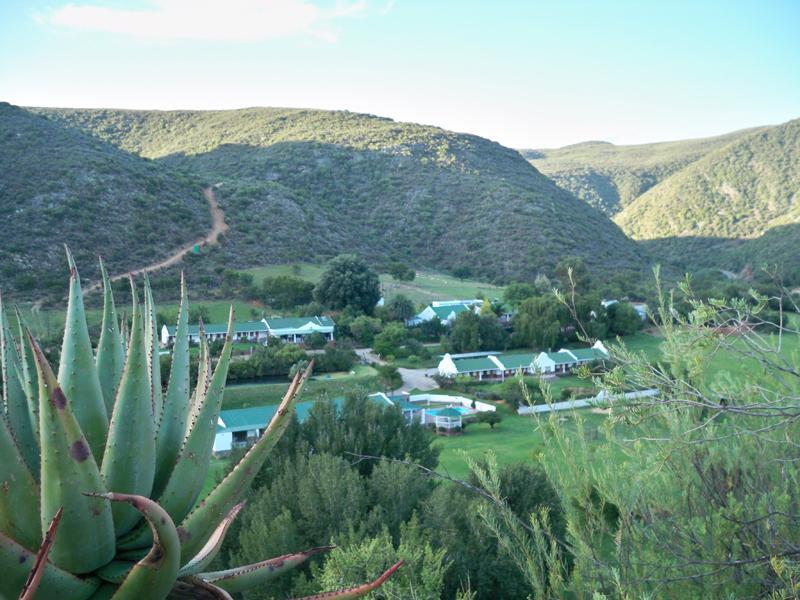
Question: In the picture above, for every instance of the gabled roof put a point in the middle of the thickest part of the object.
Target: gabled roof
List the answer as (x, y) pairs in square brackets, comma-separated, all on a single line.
[(221, 328), (258, 417), (468, 365), (295, 323), (516, 361), (584, 354), (561, 358), (445, 311)]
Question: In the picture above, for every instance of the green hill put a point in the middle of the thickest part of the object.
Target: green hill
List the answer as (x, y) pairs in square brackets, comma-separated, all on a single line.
[(741, 200), (61, 186), (610, 177), (300, 185)]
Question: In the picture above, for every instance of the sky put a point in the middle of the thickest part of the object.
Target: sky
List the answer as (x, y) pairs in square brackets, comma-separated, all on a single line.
[(528, 73)]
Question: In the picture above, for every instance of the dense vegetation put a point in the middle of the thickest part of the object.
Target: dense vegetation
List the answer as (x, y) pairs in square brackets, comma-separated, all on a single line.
[(743, 191), (727, 202), (610, 177), (304, 184), (60, 185)]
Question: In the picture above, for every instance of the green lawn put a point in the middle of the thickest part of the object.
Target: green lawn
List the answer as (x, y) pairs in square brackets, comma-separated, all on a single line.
[(332, 385), (514, 439), (427, 286)]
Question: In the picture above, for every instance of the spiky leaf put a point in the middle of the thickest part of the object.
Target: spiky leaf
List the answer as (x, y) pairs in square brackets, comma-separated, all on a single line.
[(28, 379), (40, 563), (18, 411), (188, 476), (213, 545), (358, 591), (16, 563), (110, 350), (250, 576), (86, 539), (77, 373), (172, 424), (19, 494), (130, 453), (151, 341), (198, 526), (154, 575)]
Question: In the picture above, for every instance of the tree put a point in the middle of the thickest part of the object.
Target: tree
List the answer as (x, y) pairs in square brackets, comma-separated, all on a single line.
[(315, 340), (364, 328), (491, 418), (421, 577), (538, 322), (462, 272), (400, 308), (516, 292), (286, 291), (623, 319), (390, 339), (348, 281), (471, 333), (402, 272), (722, 432), (579, 273), (389, 377), (453, 517)]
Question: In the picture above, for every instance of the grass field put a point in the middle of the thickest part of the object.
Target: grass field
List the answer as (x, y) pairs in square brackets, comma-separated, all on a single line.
[(427, 286), (364, 379)]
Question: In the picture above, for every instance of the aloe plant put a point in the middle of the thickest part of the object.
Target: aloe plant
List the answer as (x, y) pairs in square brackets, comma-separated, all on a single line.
[(101, 473)]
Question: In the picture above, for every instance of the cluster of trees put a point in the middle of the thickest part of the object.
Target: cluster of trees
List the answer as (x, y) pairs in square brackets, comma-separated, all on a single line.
[(319, 485), (278, 358)]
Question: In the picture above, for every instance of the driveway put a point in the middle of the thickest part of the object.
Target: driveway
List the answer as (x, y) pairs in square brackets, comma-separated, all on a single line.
[(418, 378)]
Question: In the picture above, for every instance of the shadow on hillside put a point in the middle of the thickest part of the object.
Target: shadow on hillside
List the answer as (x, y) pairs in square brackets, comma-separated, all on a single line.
[(779, 246)]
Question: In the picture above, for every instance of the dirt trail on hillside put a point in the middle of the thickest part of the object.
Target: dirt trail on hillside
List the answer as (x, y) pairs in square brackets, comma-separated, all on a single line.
[(218, 227)]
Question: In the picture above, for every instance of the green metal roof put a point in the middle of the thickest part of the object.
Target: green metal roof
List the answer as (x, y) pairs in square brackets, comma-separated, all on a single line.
[(516, 361), (561, 358), (221, 328), (467, 365), (444, 311), (298, 322), (448, 412), (587, 354), (258, 417)]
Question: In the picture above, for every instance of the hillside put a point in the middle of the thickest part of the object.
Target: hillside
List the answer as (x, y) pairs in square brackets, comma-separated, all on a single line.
[(60, 186), (728, 200), (610, 177), (300, 185)]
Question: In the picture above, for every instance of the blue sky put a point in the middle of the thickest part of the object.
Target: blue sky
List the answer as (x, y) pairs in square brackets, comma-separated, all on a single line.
[(527, 73)]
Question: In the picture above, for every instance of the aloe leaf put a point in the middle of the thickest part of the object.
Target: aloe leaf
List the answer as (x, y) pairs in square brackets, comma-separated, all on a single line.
[(110, 350), (19, 494), (86, 540), (77, 373), (194, 588), (16, 563), (16, 402), (106, 591), (28, 379), (249, 576), (35, 577), (155, 574), (172, 423), (198, 526), (203, 376), (151, 341), (213, 545), (189, 473), (130, 453), (358, 591)]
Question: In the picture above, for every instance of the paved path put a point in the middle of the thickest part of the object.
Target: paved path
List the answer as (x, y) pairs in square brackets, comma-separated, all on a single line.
[(218, 227), (418, 378)]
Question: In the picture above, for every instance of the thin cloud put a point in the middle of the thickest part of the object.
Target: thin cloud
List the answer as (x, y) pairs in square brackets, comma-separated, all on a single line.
[(232, 20)]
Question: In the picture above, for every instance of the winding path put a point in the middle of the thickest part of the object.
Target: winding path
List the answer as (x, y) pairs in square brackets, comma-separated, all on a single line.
[(218, 227)]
